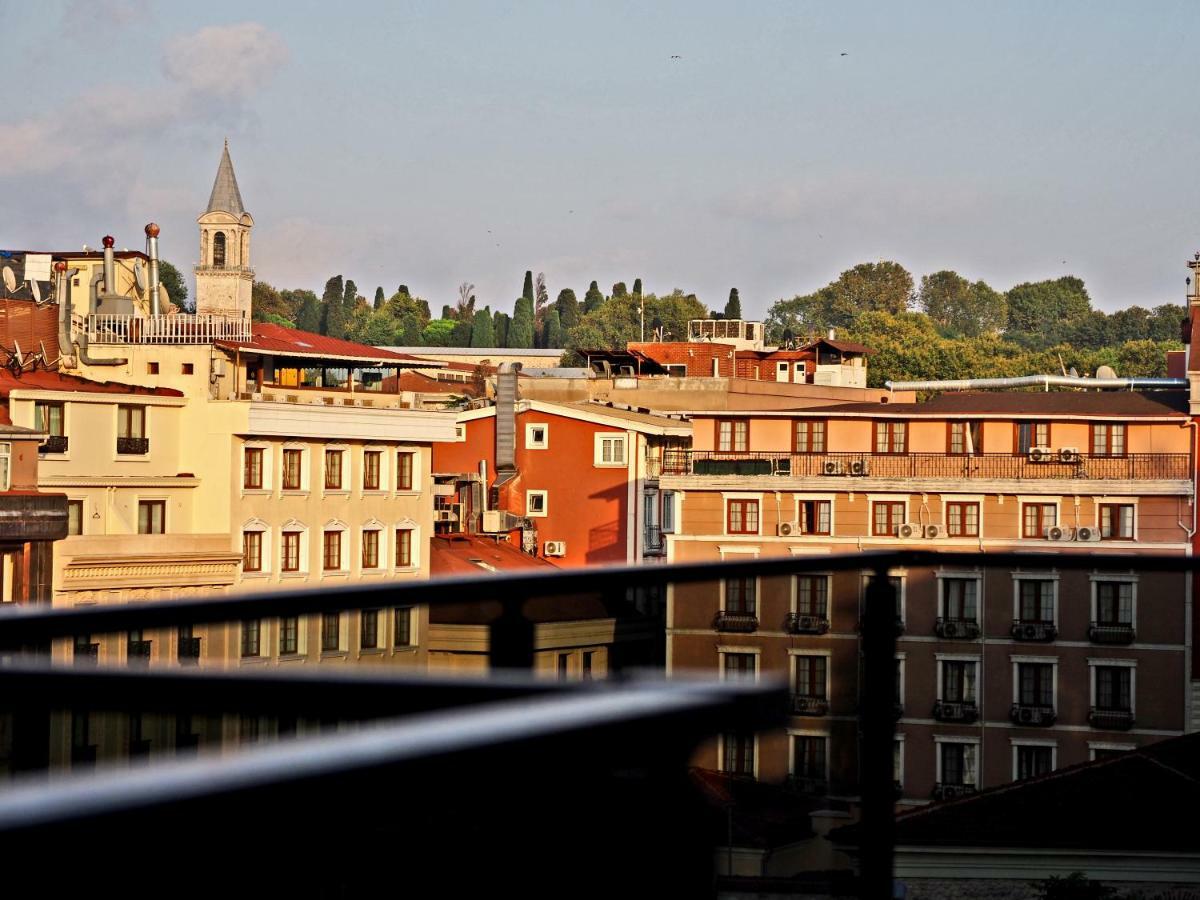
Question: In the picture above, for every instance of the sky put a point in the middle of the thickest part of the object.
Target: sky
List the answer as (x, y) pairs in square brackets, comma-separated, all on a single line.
[(429, 144)]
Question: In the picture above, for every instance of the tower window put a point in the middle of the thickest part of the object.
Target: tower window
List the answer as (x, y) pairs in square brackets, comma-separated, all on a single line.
[(219, 250)]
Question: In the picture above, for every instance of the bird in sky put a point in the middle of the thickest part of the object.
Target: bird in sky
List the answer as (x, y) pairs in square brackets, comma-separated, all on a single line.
[(844, 53), (676, 56)]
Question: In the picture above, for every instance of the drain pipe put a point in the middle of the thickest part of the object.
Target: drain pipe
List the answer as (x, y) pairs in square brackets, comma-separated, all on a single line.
[(1042, 381), (1191, 532), (152, 251)]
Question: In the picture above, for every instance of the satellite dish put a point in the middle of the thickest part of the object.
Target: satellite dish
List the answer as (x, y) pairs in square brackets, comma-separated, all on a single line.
[(1074, 372), (18, 355), (139, 276), (1106, 372), (36, 291), (10, 280)]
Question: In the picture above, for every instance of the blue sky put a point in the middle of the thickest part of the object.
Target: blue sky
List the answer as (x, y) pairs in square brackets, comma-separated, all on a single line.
[(429, 144)]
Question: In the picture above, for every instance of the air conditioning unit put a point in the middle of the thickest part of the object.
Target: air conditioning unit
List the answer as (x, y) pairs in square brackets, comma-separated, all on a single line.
[(1087, 534), (1041, 454), (1060, 533), (496, 521), (445, 515), (787, 529), (1069, 455), (950, 629), (218, 365), (832, 467), (910, 530), (859, 467), (1027, 715), (555, 548)]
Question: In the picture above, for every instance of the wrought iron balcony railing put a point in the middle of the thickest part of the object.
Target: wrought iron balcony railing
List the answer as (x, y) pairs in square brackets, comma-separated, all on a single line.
[(56, 443), (1033, 631), (735, 621), (1032, 714), (133, 446), (1111, 633), (965, 711), (947, 791), (800, 623), (189, 650), (139, 652), (808, 784), (956, 629), (804, 705), (1111, 719)]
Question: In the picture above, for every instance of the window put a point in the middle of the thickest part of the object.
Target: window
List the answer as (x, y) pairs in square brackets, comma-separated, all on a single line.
[(368, 638), (332, 551), (152, 368), (808, 756), (292, 461), (964, 438), (741, 517), (1035, 684), (5, 466), (737, 757), (50, 418), (537, 437), (137, 648), (1033, 760), (131, 430), (1114, 688), (251, 638), (1108, 440), (188, 368), (404, 557), (741, 596), (886, 517), (1032, 434), (958, 681), (404, 471), (733, 435), (1114, 603), (586, 673), (536, 503), (960, 599), (1036, 518), (962, 519), (740, 666), (289, 636), (152, 515), (958, 764), (1116, 521), (811, 673), (370, 549), (252, 469), (218, 259), (371, 460), (898, 762), (333, 470), (1036, 598), (85, 651), (610, 450), (291, 551), (331, 631), (810, 436), (812, 595), (564, 666), (815, 516), (403, 635), (668, 512), (74, 517), (251, 551), (891, 438)]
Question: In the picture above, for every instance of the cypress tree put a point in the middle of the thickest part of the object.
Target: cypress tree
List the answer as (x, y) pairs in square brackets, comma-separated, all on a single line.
[(403, 289), (733, 309), (447, 312), (527, 291), (567, 308), (637, 287), (619, 289), (309, 316), (350, 298), (593, 299), (461, 335), (500, 328), (379, 298), (333, 314), (483, 334), (520, 333), (554, 335)]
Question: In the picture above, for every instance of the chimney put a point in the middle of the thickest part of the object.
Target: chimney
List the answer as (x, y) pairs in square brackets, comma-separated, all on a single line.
[(152, 252), (506, 420), (110, 266), (833, 334)]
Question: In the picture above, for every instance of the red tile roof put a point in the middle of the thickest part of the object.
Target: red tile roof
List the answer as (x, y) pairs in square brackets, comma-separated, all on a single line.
[(45, 380), (423, 384), (1027, 403), (454, 554), (279, 341)]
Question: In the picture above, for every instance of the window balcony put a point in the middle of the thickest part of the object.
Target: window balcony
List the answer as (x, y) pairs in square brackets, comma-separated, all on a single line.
[(56, 443), (189, 651), (139, 652), (1111, 633), (741, 623), (133, 446), (653, 543), (806, 784), (1033, 632), (956, 711), (1026, 714), (943, 791), (1111, 719), (803, 705), (956, 629), (87, 654), (796, 623)]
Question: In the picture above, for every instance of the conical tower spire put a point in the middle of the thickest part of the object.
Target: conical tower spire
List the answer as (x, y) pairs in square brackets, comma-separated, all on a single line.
[(225, 194)]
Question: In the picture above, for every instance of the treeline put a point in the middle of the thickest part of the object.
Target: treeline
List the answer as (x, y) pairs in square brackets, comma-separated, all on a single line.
[(951, 327)]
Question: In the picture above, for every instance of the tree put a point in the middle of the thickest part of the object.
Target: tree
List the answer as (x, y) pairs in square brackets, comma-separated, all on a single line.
[(554, 335), (172, 281), (520, 333), (637, 287), (274, 319), (465, 308), (619, 290), (541, 298), (438, 333), (733, 307), (1165, 322), (618, 321), (527, 290), (333, 313), (568, 309), (961, 308), (350, 298), (265, 302), (308, 318), (500, 323), (593, 299), (379, 298), (403, 289), (884, 287), (410, 316), (1039, 308), (483, 334)]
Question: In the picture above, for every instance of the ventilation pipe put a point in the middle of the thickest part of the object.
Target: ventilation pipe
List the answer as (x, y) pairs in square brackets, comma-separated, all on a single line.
[(152, 252), (1043, 381), (110, 266), (62, 292)]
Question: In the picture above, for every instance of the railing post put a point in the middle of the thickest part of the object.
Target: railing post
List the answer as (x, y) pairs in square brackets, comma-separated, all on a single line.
[(878, 735)]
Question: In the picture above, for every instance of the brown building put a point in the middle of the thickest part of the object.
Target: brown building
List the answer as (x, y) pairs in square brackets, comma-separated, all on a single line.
[(1002, 674)]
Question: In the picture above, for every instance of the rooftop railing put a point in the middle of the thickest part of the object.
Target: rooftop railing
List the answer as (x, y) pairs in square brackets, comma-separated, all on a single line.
[(183, 328)]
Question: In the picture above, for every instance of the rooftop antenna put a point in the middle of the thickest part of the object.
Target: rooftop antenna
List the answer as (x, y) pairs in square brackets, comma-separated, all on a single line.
[(1062, 364)]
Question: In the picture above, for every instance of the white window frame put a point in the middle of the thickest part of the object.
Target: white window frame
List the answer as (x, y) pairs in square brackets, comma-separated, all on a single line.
[(831, 499), (721, 753), (756, 652), (969, 575), (531, 443), (1097, 578), (794, 652), (902, 575), (345, 559), (726, 496), (872, 499), (599, 439), (976, 658), (806, 732), (303, 550), (6, 464), (795, 589), (757, 594), (669, 500), (385, 470), (1097, 502), (898, 739), (939, 739), (1016, 661), (529, 511), (1093, 746), (1056, 502), (268, 468), (414, 563), (347, 470), (1018, 577), (902, 658), (978, 500), (1094, 662), (377, 526), (1018, 743), (305, 467), (417, 470), (266, 560)]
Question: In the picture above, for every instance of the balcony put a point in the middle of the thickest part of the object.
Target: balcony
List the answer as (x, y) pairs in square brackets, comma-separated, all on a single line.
[(956, 629), (925, 466), (139, 652), (741, 623), (133, 446), (798, 623), (121, 328), (87, 654), (1033, 632), (189, 651), (803, 705), (806, 784), (942, 791), (1111, 633), (1111, 719), (1026, 714), (964, 712), (652, 541), (56, 443)]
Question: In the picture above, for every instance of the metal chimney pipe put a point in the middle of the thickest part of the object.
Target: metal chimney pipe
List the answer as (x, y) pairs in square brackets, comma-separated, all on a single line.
[(152, 252), (110, 266)]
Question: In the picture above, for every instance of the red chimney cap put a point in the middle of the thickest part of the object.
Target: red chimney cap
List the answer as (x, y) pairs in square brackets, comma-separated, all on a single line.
[(108, 240), (152, 230), (60, 266)]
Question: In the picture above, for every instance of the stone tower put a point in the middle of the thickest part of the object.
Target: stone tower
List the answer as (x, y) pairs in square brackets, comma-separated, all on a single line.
[(224, 279)]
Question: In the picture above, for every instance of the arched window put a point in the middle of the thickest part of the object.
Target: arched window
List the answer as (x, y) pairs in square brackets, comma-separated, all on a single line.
[(219, 250)]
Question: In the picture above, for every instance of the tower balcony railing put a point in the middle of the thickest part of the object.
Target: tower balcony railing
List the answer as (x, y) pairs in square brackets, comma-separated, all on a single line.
[(237, 270), (181, 328)]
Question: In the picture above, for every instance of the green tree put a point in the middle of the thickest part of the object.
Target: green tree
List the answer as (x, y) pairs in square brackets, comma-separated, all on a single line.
[(527, 290), (1037, 309), (568, 309), (308, 317), (882, 287), (266, 301), (500, 323), (438, 333), (520, 333), (554, 335), (959, 307), (483, 334), (637, 287), (350, 298), (379, 298), (333, 313), (1165, 322), (618, 322), (619, 290), (410, 316), (172, 281), (274, 319), (593, 299), (733, 307), (403, 289), (541, 300)]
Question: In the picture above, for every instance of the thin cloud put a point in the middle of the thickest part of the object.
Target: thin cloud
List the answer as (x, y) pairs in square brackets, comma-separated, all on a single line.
[(227, 62), (86, 17)]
